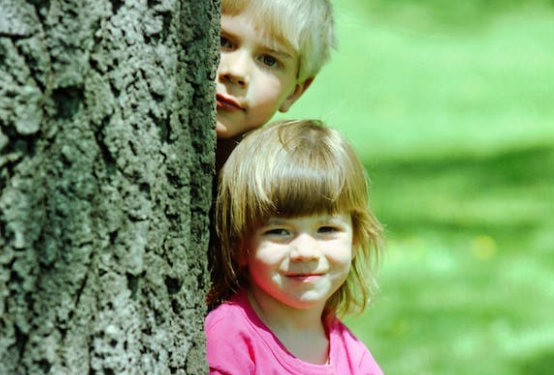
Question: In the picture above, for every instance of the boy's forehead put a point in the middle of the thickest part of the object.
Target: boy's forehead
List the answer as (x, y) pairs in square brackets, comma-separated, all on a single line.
[(272, 30)]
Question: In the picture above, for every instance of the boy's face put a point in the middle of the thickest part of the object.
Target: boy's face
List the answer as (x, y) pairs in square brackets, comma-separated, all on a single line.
[(255, 78), (300, 262)]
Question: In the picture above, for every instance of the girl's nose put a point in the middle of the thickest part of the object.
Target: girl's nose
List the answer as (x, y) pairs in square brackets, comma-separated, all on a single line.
[(234, 68), (304, 249)]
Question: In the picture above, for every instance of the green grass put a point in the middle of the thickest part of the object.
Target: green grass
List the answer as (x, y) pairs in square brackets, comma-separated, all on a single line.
[(468, 276), (395, 88), (453, 116)]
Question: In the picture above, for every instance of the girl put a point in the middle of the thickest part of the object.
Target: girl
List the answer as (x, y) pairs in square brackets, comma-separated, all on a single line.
[(297, 237)]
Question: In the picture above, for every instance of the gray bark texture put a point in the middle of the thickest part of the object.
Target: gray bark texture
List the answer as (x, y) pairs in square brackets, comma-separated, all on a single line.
[(106, 165)]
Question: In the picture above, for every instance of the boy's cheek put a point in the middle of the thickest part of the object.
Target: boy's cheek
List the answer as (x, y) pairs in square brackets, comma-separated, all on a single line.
[(298, 91)]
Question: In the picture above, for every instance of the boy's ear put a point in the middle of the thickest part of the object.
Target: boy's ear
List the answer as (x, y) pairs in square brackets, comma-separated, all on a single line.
[(299, 89)]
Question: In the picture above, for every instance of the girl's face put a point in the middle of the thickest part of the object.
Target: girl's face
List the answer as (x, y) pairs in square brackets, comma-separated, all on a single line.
[(300, 262)]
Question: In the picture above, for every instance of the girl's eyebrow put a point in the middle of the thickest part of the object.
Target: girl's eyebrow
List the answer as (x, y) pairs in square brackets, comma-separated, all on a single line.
[(275, 221), (322, 219), (337, 220), (330, 217)]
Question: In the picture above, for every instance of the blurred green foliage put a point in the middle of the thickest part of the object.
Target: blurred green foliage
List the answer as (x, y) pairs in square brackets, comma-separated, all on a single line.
[(449, 104), (451, 13)]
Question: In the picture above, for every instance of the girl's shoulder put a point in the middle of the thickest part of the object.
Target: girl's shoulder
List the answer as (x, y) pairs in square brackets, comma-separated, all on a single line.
[(229, 340), (349, 350), (338, 328), (229, 314)]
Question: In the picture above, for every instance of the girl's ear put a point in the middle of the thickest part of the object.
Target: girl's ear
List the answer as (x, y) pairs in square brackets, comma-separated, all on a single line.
[(355, 246), (299, 89), (242, 257), (242, 254)]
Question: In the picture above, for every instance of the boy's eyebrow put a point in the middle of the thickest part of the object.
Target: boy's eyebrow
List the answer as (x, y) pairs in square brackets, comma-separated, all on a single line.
[(279, 52), (282, 52)]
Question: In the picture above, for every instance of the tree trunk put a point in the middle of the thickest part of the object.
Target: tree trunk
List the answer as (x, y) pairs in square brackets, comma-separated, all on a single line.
[(106, 163)]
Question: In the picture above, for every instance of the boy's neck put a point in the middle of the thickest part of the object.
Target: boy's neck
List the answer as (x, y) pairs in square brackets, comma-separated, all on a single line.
[(224, 148)]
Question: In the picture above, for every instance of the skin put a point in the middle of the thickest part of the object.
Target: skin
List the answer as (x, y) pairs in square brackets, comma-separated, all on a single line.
[(256, 77), (295, 265)]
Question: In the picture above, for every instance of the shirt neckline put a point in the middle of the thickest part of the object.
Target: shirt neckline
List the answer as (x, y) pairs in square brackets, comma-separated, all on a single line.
[(280, 352)]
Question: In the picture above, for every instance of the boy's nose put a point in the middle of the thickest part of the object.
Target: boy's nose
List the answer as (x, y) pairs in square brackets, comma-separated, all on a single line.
[(234, 68), (304, 249)]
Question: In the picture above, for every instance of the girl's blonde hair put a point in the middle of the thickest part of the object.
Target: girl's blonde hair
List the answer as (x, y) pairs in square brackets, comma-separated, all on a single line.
[(307, 26), (291, 169)]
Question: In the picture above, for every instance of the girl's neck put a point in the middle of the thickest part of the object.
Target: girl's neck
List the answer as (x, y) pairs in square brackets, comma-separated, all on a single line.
[(301, 331)]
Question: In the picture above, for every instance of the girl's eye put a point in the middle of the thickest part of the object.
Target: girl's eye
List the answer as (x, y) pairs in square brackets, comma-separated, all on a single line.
[(276, 232), (327, 229), (225, 43), (268, 60)]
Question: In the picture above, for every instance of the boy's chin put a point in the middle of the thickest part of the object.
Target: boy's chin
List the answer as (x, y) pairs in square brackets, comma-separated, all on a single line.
[(224, 131), (231, 129), (220, 130)]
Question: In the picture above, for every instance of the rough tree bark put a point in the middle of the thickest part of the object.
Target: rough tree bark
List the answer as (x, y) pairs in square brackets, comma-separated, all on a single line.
[(106, 161)]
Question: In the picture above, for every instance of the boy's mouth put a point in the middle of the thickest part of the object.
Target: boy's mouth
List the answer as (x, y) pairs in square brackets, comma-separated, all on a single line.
[(226, 103)]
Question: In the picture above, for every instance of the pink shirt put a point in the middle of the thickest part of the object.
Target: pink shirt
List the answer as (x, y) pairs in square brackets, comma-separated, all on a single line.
[(239, 343)]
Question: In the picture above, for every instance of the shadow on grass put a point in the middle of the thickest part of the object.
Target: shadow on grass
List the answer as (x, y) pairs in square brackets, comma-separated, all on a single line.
[(505, 195), (468, 272), (538, 364), (506, 168)]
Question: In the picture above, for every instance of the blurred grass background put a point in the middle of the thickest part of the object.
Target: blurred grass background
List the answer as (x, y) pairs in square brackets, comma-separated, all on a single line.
[(451, 107)]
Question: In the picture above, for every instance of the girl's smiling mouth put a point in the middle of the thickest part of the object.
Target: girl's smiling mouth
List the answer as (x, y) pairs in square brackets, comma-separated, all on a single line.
[(304, 277)]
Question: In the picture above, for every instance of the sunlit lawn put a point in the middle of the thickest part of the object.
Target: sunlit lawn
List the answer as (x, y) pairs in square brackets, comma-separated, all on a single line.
[(469, 276), (455, 124)]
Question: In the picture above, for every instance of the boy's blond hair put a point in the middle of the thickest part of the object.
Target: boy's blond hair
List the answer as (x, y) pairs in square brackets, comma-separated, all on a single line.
[(291, 169), (307, 26)]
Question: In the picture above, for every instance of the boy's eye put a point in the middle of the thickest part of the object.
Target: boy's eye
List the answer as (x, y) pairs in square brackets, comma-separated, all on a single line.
[(225, 43), (268, 60)]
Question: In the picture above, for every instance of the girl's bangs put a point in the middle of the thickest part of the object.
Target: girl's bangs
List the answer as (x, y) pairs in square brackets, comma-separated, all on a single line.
[(293, 190)]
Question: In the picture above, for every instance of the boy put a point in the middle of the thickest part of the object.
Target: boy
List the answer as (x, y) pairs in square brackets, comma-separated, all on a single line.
[(271, 51)]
